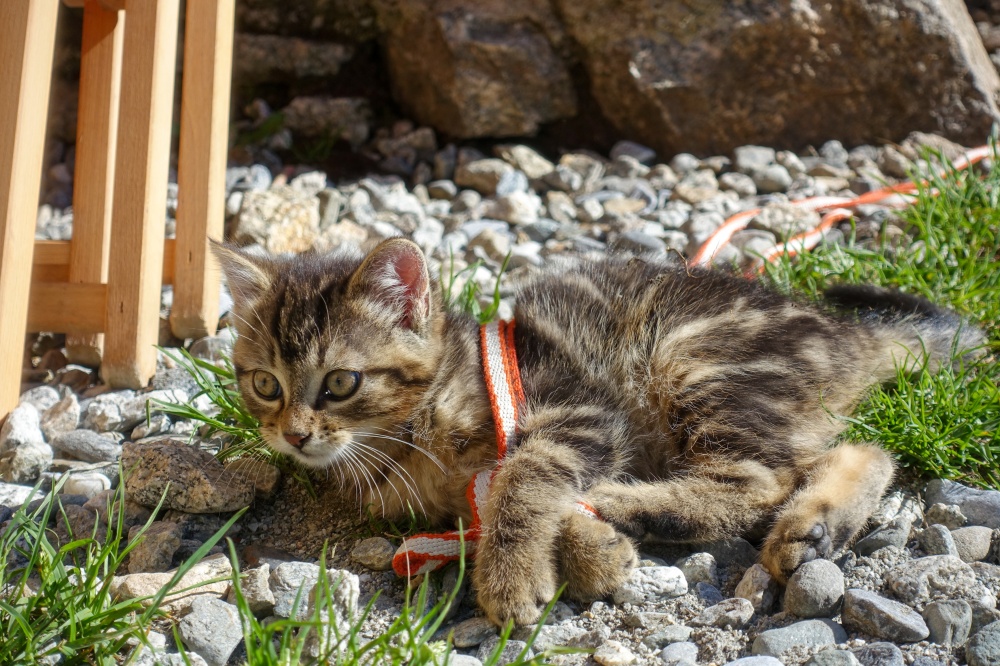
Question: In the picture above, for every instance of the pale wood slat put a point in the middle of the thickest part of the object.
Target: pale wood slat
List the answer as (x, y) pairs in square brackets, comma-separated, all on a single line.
[(133, 301), (201, 169), (50, 301), (52, 258), (27, 42), (97, 126)]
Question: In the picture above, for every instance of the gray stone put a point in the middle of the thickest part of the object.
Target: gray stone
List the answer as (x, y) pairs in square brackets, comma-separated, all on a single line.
[(638, 243), (932, 578), (88, 484), (177, 659), (761, 660), (875, 615), (816, 589), (456, 659), (708, 593), (896, 533), (696, 187), (772, 178), (558, 635), (158, 424), (472, 632), (758, 587), (683, 652), (651, 584), (639, 152), (973, 542), (981, 507), (61, 417), (25, 463), (88, 446), (482, 175), (613, 653), (735, 552), (983, 616), (750, 159), (879, 654), (124, 410), (740, 183), (937, 540), (833, 658), (729, 614), (40, 397), (375, 553), (188, 478), (13, 495), (256, 589), (983, 649), (683, 163), (785, 220), (699, 568), (23, 426), (510, 652), (676, 633), (948, 621), (300, 580), (155, 550), (808, 633), (833, 151), (949, 515), (212, 629), (280, 219), (527, 160)]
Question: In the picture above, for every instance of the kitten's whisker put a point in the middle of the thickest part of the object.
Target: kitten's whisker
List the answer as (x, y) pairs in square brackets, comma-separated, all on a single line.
[(401, 472), (368, 451), (430, 456), (372, 484)]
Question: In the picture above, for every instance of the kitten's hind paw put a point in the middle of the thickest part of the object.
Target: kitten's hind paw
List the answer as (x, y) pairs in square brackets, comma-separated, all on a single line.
[(594, 559), (787, 549)]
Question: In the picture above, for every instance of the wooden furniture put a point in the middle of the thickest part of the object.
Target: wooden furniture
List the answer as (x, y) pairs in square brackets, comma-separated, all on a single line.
[(102, 288)]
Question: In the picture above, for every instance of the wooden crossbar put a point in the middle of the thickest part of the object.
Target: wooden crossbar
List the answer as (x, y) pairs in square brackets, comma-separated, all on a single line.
[(102, 288)]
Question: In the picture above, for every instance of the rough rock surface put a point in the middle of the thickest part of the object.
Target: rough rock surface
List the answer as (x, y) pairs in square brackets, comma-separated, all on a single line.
[(678, 75), (193, 480)]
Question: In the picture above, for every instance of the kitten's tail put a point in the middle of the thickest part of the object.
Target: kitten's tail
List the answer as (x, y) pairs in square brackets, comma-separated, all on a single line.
[(915, 331)]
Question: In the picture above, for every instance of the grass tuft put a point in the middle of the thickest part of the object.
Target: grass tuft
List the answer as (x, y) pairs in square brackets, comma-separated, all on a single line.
[(945, 424)]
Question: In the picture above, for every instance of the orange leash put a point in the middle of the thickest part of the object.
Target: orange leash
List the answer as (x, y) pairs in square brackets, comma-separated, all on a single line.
[(423, 553), (837, 209)]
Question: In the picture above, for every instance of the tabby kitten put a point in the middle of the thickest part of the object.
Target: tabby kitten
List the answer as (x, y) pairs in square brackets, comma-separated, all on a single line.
[(692, 405)]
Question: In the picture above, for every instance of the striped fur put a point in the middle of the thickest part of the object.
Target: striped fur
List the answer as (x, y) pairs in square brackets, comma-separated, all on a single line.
[(690, 405)]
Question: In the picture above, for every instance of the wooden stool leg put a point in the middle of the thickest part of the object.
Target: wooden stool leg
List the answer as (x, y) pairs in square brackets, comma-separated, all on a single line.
[(140, 197), (97, 127), (27, 42), (201, 170)]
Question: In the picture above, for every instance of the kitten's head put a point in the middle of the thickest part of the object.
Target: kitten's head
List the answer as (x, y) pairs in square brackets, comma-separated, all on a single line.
[(333, 351)]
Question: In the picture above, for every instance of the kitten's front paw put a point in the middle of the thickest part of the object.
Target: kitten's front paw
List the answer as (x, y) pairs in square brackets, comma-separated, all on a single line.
[(788, 547), (594, 559), (508, 589)]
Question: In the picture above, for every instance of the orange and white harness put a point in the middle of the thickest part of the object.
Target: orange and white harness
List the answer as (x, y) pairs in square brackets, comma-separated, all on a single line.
[(422, 553)]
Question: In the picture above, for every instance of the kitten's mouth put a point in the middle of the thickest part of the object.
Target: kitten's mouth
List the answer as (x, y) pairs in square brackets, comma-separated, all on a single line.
[(309, 450)]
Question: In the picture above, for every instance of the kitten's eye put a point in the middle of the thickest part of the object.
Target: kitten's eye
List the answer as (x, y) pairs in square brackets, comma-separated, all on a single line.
[(266, 385), (341, 384)]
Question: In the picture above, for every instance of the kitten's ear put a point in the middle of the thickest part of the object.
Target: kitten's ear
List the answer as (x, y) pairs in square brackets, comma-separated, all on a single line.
[(245, 273), (395, 275)]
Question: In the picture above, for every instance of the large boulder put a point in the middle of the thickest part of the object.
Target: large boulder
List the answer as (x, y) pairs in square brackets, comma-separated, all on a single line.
[(484, 69), (705, 76)]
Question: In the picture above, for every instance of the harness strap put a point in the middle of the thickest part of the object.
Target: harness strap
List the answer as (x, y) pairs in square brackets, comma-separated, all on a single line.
[(423, 553)]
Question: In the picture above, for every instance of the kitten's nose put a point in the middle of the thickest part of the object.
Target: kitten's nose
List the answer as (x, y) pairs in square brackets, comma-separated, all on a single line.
[(298, 441)]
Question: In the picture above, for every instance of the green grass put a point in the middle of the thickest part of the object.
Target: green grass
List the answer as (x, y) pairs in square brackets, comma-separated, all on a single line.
[(412, 639), (945, 424), (55, 599)]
